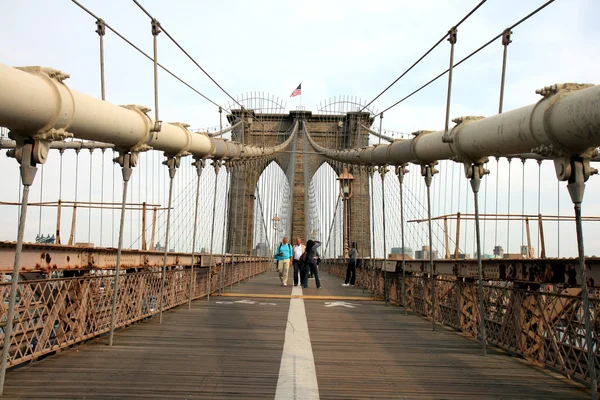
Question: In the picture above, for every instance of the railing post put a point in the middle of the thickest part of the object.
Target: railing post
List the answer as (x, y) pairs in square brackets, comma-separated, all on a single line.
[(127, 161)]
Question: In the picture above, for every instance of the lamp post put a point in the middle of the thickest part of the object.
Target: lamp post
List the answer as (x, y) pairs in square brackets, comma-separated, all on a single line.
[(346, 192), (275, 220)]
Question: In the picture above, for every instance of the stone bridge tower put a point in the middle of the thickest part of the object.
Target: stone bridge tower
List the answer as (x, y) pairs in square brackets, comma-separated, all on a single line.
[(300, 162)]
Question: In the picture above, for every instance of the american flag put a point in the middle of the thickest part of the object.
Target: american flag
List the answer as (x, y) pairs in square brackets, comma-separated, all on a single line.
[(298, 91)]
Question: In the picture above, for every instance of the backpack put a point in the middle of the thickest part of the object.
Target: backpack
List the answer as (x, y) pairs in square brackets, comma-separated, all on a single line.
[(279, 248), (303, 258)]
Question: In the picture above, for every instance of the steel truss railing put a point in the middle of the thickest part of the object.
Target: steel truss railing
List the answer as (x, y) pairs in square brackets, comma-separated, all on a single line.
[(56, 313), (545, 326)]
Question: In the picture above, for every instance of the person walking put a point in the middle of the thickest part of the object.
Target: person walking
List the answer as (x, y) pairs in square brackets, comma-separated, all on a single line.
[(283, 256), (351, 268), (298, 265), (311, 262)]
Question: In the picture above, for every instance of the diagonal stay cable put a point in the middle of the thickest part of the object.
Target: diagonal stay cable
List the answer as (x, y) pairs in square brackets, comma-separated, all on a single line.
[(540, 8), (424, 55), (143, 53)]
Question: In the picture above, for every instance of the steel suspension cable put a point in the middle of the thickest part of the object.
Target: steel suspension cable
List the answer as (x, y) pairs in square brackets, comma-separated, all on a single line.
[(190, 57), (143, 53), (424, 55), (470, 55)]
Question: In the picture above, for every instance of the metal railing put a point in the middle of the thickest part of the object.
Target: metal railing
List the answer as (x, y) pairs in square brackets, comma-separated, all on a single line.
[(545, 326), (56, 313)]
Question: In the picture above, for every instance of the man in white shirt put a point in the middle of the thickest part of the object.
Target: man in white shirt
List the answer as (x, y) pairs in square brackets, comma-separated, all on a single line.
[(298, 250)]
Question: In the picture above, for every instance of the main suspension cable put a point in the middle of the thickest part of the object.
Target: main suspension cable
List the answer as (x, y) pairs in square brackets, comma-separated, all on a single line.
[(424, 55), (143, 53), (469, 56)]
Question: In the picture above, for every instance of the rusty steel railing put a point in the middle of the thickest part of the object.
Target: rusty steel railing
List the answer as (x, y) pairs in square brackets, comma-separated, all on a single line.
[(56, 313), (545, 326)]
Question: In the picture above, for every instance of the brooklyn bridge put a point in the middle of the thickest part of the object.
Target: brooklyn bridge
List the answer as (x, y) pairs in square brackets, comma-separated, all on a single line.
[(137, 255)]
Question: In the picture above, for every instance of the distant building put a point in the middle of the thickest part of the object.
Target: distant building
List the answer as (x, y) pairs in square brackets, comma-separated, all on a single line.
[(527, 252), (45, 239), (261, 250), (424, 254), (399, 250), (498, 252)]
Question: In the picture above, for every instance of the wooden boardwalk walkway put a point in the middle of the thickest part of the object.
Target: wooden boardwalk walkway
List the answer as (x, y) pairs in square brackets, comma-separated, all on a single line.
[(231, 348)]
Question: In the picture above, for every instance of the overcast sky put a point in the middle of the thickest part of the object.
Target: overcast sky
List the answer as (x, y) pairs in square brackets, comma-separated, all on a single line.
[(333, 47)]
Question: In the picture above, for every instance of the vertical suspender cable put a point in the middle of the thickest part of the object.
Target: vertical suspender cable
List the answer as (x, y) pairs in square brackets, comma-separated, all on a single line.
[(89, 200), (72, 240), (126, 164), (401, 171), (112, 220), (485, 212), (371, 171), (41, 198), (428, 171), (523, 209), (102, 198), (59, 207), (539, 204), (199, 164), (508, 207), (382, 171), (217, 165), (496, 222), (244, 222), (155, 31), (506, 40), (558, 219), (225, 207), (28, 171), (475, 174), (452, 37), (172, 163)]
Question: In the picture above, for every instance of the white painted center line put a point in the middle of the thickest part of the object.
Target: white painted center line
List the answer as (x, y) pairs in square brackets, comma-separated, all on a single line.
[(297, 373)]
